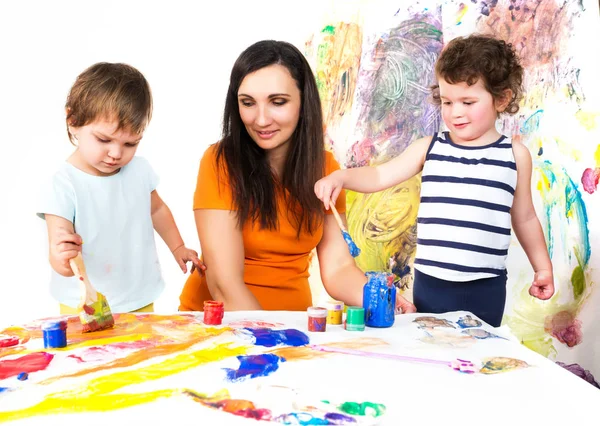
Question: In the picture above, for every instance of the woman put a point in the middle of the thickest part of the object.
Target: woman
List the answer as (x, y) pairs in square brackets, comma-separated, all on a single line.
[(257, 217)]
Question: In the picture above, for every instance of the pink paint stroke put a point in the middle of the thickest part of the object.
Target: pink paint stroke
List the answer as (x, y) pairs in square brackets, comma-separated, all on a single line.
[(590, 179)]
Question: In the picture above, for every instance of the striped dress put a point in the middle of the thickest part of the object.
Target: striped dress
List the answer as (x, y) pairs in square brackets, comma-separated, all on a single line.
[(464, 222)]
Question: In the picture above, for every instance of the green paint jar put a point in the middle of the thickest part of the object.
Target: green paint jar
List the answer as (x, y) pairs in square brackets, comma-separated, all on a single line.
[(355, 318)]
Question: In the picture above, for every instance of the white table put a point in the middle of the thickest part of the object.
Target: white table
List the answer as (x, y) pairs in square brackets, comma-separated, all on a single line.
[(414, 393)]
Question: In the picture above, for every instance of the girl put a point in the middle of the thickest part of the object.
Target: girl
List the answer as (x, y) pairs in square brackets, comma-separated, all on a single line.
[(475, 182)]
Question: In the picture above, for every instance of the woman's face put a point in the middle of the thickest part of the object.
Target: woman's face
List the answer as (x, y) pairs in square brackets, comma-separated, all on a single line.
[(269, 103)]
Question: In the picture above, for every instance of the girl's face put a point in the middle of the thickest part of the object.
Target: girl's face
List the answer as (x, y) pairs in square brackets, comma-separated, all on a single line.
[(102, 149), (469, 112), (269, 102)]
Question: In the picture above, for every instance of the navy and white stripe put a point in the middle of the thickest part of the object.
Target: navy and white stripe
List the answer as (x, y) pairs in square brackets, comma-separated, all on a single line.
[(464, 217)]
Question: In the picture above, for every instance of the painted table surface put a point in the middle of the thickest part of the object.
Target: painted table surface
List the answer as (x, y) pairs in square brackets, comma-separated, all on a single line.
[(153, 368)]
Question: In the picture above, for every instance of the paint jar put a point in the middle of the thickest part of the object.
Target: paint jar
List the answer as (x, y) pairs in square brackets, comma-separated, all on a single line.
[(55, 333), (213, 312), (355, 318), (379, 299), (334, 312), (317, 318)]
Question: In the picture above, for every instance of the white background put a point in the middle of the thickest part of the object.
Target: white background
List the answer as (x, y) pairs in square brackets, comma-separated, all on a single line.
[(186, 52)]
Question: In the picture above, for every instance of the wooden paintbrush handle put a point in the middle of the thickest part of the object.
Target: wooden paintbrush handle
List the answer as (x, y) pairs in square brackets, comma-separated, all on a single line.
[(88, 293), (338, 219)]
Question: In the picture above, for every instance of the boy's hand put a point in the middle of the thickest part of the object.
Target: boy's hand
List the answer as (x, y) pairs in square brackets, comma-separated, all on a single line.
[(403, 306), (64, 246), (328, 188), (183, 255), (542, 286)]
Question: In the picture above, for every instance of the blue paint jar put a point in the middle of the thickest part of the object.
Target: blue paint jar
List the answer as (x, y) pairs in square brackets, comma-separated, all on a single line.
[(55, 333), (379, 299)]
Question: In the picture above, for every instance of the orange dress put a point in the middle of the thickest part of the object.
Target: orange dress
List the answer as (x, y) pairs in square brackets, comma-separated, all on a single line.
[(276, 262)]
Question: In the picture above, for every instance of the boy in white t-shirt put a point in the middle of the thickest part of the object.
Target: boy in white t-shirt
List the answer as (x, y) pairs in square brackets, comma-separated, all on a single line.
[(105, 196)]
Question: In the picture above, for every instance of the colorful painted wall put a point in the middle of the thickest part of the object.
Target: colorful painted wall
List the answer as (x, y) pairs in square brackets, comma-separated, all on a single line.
[(374, 64)]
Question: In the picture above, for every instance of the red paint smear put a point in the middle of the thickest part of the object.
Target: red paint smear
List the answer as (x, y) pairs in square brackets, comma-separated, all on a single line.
[(7, 341), (590, 179), (26, 364), (565, 327)]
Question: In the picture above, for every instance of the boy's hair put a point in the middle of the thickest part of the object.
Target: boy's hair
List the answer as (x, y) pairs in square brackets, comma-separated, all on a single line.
[(111, 91), (468, 59)]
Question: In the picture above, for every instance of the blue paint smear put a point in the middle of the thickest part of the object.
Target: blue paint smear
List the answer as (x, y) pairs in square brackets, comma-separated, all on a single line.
[(575, 211), (252, 366), (532, 123), (468, 321), (354, 250), (4, 389), (339, 419), (268, 337), (301, 419)]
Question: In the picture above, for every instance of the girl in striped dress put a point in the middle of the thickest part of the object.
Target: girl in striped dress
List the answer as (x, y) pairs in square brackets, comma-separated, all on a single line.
[(476, 183)]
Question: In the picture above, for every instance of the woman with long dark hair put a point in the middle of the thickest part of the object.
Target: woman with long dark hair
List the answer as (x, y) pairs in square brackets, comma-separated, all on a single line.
[(257, 217)]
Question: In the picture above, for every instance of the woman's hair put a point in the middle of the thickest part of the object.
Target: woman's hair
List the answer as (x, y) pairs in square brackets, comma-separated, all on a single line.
[(110, 91), (254, 185), (469, 59)]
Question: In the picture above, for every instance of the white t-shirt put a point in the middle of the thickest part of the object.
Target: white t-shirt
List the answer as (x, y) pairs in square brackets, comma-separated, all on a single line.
[(112, 216)]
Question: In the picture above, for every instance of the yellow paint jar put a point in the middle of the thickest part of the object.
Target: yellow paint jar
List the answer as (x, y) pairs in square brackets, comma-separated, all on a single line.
[(334, 312)]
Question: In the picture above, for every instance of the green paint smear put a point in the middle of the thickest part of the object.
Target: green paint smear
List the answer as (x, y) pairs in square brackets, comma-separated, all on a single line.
[(329, 29), (578, 282), (362, 409)]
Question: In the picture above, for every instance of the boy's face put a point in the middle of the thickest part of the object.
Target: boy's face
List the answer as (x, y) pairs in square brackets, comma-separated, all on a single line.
[(102, 149), (469, 112)]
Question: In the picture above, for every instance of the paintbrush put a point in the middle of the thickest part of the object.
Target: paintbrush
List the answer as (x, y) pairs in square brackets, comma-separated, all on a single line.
[(94, 312), (354, 250), (458, 364)]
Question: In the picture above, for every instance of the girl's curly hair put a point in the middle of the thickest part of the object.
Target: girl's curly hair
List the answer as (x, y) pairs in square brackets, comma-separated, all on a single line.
[(468, 59)]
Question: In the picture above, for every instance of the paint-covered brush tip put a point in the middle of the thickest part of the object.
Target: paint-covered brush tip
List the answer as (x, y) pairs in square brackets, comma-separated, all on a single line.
[(354, 250)]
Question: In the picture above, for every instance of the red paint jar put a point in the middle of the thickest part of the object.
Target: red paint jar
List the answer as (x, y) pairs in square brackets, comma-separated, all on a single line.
[(317, 319), (213, 312)]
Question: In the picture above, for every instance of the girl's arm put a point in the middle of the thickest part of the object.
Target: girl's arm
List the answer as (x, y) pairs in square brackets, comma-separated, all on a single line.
[(343, 280), (223, 252), (63, 244), (373, 179), (528, 228), (164, 224)]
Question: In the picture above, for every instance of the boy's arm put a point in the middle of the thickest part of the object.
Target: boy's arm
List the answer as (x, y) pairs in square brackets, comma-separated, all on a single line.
[(373, 179), (164, 224), (528, 228), (63, 243)]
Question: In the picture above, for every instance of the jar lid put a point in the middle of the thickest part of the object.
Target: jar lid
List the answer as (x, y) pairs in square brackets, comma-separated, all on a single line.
[(355, 315), (317, 312), (54, 325), (334, 305)]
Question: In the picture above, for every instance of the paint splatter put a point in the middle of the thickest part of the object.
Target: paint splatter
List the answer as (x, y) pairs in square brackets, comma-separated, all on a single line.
[(362, 408), (479, 333), (501, 365), (579, 371), (7, 341), (565, 327), (537, 29), (590, 179), (462, 10), (25, 364), (269, 338), (468, 321), (252, 366), (254, 324), (432, 322)]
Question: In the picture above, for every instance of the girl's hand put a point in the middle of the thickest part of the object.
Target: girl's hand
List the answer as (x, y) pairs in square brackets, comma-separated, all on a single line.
[(542, 286), (183, 255), (328, 188), (403, 306)]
